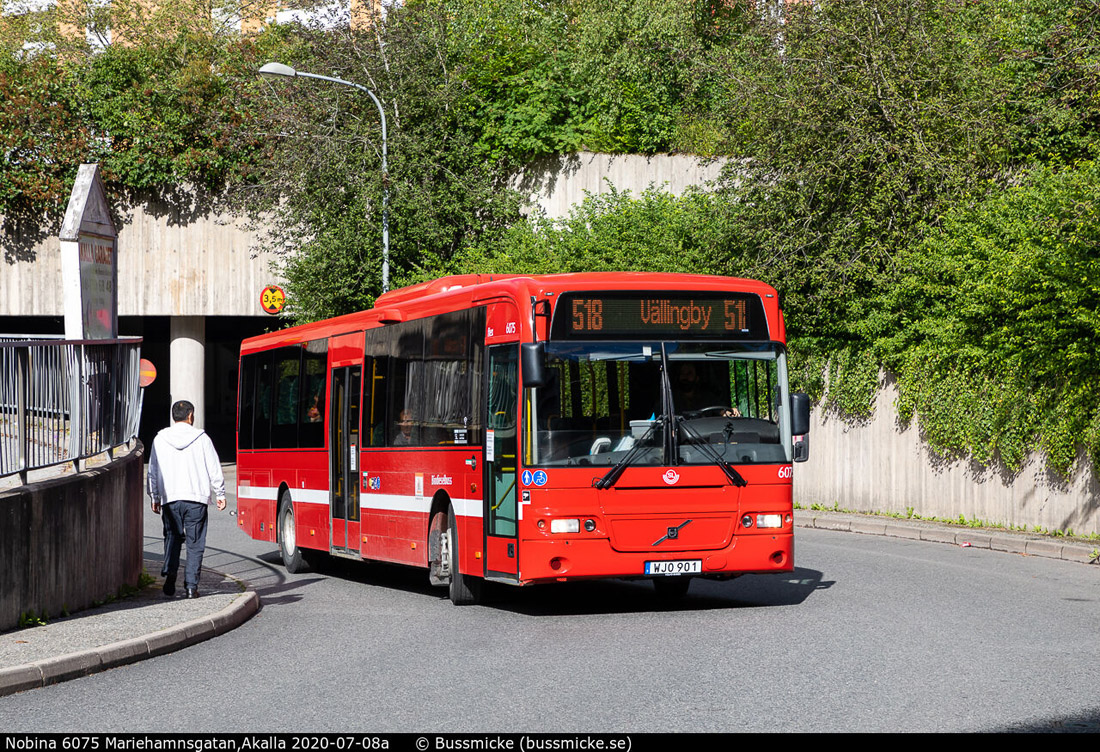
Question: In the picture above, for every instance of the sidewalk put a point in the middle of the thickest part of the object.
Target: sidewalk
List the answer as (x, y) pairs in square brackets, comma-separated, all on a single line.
[(123, 631), (148, 624), (1009, 541)]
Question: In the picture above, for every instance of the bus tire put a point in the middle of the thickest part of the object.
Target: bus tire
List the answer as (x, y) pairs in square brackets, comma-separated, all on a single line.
[(671, 588), (288, 537), (464, 589)]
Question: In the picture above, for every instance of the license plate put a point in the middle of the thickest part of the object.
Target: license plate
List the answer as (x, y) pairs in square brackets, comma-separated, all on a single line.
[(688, 566)]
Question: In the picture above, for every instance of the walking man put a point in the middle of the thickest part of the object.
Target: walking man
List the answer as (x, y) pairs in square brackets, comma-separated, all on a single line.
[(183, 469)]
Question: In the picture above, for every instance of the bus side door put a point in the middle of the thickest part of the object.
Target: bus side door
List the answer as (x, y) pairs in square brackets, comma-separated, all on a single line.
[(502, 462), (343, 414)]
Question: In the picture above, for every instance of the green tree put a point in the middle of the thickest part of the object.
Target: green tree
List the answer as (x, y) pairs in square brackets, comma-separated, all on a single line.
[(42, 139), (860, 122), (322, 184), (153, 108)]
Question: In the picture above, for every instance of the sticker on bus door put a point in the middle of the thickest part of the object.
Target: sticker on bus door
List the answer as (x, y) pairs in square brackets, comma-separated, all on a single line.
[(490, 445)]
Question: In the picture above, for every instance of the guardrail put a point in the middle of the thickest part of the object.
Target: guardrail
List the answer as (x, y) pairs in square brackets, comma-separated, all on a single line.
[(65, 400)]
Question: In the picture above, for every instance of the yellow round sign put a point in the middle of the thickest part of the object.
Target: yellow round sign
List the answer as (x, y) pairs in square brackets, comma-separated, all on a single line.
[(272, 299)]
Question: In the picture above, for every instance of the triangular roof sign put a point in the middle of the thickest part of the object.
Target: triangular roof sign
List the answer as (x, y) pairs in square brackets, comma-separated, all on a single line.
[(87, 212)]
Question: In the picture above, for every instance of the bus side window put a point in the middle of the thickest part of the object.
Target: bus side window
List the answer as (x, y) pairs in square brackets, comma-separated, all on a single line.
[(247, 400), (376, 363), (406, 388), (261, 423), (311, 416)]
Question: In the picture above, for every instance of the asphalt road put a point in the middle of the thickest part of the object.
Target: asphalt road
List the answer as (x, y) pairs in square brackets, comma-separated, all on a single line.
[(868, 634)]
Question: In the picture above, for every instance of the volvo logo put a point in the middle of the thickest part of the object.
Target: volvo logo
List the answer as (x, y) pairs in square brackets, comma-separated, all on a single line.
[(672, 533)]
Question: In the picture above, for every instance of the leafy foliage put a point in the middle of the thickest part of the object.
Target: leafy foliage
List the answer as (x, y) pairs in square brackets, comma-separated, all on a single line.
[(156, 115), (1008, 293), (872, 118), (41, 141)]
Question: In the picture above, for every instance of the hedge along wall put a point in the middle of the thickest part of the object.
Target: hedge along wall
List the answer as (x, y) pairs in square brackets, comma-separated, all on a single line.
[(68, 542), (883, 465)]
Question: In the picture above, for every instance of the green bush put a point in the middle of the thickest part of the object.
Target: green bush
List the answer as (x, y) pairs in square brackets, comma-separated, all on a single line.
[(994, 322)]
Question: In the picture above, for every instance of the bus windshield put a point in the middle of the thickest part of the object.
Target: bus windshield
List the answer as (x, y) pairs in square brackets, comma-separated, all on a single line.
[(602, 400)]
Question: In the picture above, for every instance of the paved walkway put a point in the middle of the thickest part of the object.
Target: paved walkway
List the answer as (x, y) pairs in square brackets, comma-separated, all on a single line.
[(149, 624), (1028, 544), (124, 631)]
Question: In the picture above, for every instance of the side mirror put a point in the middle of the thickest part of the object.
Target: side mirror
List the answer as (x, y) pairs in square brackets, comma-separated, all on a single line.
[(533, 361), (800, 413)]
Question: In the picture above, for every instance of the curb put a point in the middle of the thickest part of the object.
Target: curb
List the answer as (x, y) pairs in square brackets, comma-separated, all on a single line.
[(74, 665), (995, 540)]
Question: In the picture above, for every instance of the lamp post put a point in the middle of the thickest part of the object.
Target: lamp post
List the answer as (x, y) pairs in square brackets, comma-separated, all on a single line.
[(285, 71)]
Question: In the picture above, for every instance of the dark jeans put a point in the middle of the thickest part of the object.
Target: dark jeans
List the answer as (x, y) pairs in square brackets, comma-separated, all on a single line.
[(184, 521)]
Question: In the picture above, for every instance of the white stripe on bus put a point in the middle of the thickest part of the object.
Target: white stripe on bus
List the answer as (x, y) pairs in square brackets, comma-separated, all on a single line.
[(269, 493), (374, 502)]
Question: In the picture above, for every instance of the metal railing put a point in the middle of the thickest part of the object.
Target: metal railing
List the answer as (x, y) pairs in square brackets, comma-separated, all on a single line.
[(65, 400)]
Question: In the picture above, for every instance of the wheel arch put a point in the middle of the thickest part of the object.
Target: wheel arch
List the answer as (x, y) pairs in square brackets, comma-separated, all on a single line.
[(440, 502)]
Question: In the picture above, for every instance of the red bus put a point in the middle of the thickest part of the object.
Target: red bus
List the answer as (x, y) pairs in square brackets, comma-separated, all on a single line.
[(529, 429)]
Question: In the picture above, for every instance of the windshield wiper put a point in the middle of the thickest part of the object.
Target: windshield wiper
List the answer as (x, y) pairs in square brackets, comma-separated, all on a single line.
[(612, 475), (735, 477)]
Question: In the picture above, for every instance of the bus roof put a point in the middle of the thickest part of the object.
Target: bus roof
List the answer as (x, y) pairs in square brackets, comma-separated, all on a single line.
[(467, 290)]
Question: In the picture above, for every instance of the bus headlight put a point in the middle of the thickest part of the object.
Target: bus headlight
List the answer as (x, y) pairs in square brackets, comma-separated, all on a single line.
[(769, 520), (565, 526)]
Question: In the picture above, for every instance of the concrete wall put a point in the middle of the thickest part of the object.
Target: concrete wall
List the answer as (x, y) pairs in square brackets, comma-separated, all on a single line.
[(169, 264), (70, 541), (882, 466), (556, 184)]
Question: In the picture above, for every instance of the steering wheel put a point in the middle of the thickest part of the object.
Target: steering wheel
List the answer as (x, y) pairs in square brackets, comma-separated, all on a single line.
[(719, 411)]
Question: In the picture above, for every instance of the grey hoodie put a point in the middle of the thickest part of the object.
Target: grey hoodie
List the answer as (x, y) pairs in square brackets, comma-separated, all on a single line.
[(183, 466)]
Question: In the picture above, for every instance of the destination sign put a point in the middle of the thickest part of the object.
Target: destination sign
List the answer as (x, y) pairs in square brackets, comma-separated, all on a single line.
[(673, 315)]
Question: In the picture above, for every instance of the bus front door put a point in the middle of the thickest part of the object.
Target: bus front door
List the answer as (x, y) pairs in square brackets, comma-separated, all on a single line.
[(344, 458), (501, 463)]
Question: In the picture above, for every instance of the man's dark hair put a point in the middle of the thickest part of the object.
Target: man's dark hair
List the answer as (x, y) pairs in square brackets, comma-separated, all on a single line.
[(181, 410)]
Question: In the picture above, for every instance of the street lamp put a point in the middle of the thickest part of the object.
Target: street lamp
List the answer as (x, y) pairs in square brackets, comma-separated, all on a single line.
[(285, 71)]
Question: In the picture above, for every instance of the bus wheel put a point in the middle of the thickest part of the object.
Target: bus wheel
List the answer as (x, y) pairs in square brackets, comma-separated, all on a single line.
[(288, 544), (464, 589), (671, 588)]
